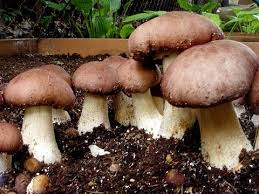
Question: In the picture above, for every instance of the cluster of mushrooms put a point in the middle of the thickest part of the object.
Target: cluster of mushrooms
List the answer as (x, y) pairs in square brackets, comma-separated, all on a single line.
[(201, 75)]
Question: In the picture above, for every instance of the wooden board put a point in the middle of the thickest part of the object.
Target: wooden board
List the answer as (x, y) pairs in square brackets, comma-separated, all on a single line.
[(84, 46)]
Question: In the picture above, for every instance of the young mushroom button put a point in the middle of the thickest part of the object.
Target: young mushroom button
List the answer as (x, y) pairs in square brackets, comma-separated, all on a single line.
[(123, 106), (178, 30), (10, 141), (97, 79), (209, 77), (136, 79), (38, 91)]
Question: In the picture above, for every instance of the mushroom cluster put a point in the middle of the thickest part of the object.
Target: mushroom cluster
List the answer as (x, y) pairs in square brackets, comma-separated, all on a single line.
[(201, 75)]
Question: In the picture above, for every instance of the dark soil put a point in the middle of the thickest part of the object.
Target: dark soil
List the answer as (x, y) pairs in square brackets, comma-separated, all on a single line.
[(137, 163)]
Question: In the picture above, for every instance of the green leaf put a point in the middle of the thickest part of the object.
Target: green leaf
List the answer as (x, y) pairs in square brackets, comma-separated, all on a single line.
[(209, 7), (250, 12), (100, 26), (213, 17), (55, 6), (143, 16), (46, 20), (184, 4), (115, 5), (84, 6), (126, 30)]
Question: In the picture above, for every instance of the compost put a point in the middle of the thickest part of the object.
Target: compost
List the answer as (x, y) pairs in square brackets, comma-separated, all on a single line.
[(137, 163)]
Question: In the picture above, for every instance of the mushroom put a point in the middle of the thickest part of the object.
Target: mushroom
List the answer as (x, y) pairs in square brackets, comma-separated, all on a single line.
[(224, 71), (176, 31), (123, 106), (10, 141), (158, 98), (59, 115), (253, 101), (136, 79), (38, 91), (97, 79)]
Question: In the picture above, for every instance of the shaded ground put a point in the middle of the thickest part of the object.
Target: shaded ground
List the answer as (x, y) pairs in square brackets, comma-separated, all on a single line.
[(137, 163)]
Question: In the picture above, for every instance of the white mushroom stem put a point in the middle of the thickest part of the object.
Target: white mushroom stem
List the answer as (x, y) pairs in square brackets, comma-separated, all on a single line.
[(38, 134), (146, 113), (159, 102), (222, 137), (94, 113), (5, 162), (257, 139), (175, 120), (60, 116), (255, 120), (124, 111)]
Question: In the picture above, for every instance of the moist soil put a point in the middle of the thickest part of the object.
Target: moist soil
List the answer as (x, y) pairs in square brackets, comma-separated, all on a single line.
[(136, 164)]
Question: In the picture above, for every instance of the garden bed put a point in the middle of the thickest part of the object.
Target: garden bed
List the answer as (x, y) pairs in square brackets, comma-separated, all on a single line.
[(136, 163)]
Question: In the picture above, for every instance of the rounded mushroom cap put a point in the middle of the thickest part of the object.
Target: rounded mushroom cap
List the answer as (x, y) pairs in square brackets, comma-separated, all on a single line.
[(115, 61), (134, 77), (176, 30), (253, 95), (210, 74), (59, 71), (37, 87), (96, 77), (10, 138)]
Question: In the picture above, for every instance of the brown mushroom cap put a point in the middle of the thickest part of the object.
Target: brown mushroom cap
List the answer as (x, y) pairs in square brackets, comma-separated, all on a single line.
[(115, 61), (210, 74), (176, 30), (134, 77), (59, 71), (10, 138), (253, 95), (37, 87), (96, 77)]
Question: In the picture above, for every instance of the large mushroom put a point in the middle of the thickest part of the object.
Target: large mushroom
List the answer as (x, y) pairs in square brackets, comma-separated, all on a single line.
[(59, 115), (123, 105), (96, 79), (10, 141), (38, 91), (253, 101), (136, 79), (209, 77), (164, 37)]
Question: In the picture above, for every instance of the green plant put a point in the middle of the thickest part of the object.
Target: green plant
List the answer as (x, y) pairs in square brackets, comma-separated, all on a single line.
[(99, 17), (243, 21)]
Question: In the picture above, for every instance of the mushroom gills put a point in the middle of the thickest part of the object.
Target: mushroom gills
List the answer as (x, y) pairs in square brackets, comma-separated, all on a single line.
[(146, 114), (222, 137), (38, 134), (123, 108), (94, 113), (60, 116), (175, 120), (5, 162)]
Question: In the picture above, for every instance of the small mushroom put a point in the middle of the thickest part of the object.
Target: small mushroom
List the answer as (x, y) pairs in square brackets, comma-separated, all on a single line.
[(59, 115), (176, 31), (10, 141), (38, 91), (38, 185), (209, 77), (123, 105), (136, 79), (97, 79)]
